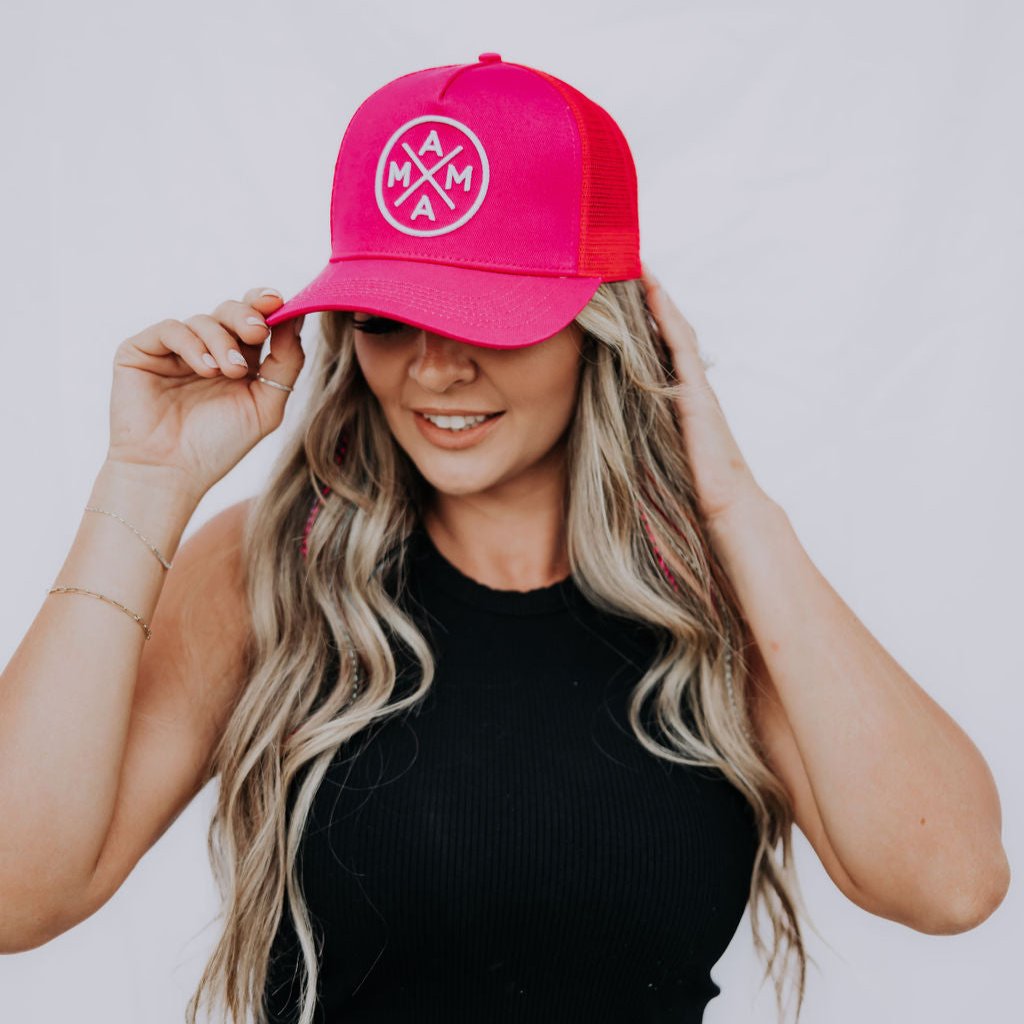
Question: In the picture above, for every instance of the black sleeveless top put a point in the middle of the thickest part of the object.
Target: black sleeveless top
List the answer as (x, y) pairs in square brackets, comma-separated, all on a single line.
[(507, 851)]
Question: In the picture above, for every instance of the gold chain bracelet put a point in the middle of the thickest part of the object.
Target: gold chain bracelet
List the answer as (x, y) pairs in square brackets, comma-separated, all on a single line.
[(103, 597), (109, 600), (145, 540)]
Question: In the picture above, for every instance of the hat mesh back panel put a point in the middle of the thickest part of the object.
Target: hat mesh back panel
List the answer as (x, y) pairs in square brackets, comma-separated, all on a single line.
[(609, 230)]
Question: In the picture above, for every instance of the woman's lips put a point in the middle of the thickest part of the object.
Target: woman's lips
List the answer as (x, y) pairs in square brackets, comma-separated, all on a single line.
[(455, 439)]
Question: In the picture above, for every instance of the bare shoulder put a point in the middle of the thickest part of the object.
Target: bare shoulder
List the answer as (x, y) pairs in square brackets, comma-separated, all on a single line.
[(190, 671), (203, 620)]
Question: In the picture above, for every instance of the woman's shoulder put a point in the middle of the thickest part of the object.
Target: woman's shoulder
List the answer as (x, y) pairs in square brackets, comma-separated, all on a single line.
[(212, 558)]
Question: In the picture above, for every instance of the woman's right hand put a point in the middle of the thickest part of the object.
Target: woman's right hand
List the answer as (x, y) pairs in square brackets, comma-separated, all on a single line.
[(169, 409)]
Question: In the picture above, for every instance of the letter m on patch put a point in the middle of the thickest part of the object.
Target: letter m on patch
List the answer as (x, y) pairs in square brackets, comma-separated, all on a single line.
[(396, 173), (464, 177)]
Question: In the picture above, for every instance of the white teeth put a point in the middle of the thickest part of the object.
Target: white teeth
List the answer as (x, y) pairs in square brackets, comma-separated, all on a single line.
[(455, 422)]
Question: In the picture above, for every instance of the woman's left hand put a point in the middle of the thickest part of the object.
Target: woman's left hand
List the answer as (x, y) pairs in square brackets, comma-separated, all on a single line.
[(722, 477)]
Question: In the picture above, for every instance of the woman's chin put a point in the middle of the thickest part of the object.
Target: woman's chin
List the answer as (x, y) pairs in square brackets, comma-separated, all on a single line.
[(455, 483)]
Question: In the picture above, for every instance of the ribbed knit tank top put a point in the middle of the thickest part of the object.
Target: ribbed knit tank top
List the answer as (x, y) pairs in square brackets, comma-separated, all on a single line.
[(508, 851)]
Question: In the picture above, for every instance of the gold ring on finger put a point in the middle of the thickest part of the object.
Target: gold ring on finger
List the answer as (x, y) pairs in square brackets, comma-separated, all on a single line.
[(273, 383)]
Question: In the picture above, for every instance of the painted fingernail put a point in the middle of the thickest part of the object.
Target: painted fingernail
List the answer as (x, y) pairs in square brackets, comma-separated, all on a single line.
[(257, 321), (210, 361), (237, 358), (272, 291)]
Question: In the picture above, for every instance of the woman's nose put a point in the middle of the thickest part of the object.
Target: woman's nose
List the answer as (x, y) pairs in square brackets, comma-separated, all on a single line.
[(440, 361)]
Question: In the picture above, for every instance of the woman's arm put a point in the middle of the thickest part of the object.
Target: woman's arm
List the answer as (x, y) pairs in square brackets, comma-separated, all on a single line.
[(906, 799), (899, 795)]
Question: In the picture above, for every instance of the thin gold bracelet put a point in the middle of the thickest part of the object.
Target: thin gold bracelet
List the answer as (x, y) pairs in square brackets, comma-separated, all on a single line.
[(145, 540), (109, 600)]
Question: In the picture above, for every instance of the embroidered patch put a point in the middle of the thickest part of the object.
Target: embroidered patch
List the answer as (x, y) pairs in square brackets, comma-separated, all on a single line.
[(432, 176)]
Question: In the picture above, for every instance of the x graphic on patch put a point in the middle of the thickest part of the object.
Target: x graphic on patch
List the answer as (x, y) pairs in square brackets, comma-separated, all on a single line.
[(441, 197)]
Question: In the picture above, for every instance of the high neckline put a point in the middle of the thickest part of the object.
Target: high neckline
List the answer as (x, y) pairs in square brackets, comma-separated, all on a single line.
[(560, 596)]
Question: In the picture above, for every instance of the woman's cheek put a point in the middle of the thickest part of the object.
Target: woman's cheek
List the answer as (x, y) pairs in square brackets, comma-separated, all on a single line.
[(380, 368)]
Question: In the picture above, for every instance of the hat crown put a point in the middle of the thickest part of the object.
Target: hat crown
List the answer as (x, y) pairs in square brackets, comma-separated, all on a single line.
[(489, 165)]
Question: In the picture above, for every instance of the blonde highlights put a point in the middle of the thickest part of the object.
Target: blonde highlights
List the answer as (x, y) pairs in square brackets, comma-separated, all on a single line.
[(319, 667)]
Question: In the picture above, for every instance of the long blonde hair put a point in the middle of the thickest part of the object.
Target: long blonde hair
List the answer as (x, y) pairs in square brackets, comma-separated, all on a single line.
[(316, 587)]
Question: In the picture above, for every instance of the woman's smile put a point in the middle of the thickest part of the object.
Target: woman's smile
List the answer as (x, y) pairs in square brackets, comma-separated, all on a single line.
[(444, 386), (456, 436)]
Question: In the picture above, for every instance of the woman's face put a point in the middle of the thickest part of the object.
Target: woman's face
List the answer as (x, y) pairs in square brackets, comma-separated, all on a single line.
[(532, 389)]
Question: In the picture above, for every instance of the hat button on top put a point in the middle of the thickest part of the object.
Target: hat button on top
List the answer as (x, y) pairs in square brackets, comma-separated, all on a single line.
[(489, 58)]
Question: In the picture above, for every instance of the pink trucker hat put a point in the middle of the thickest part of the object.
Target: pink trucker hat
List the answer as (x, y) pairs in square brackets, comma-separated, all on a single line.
[(484, 202)]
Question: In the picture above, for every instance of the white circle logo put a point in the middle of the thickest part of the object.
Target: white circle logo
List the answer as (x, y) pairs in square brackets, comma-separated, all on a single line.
[(431, 177)]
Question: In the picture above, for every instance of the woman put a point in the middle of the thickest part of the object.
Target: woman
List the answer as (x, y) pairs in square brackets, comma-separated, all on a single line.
[(513, 678)]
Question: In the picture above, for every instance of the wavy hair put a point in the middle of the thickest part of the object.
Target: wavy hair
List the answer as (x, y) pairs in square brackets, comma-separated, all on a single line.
[(317, 586)]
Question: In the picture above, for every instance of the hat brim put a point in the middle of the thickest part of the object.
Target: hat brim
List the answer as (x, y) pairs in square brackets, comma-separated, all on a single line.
[(482, 307)]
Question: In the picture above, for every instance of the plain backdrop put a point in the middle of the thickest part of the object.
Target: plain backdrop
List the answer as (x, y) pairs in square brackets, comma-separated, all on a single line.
[(830, 191)]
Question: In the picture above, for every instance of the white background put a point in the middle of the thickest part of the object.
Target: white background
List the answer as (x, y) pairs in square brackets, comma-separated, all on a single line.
[(832, 194)]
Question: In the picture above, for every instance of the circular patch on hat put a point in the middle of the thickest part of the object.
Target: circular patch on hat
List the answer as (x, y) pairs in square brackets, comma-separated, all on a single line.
[(432, 176)]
